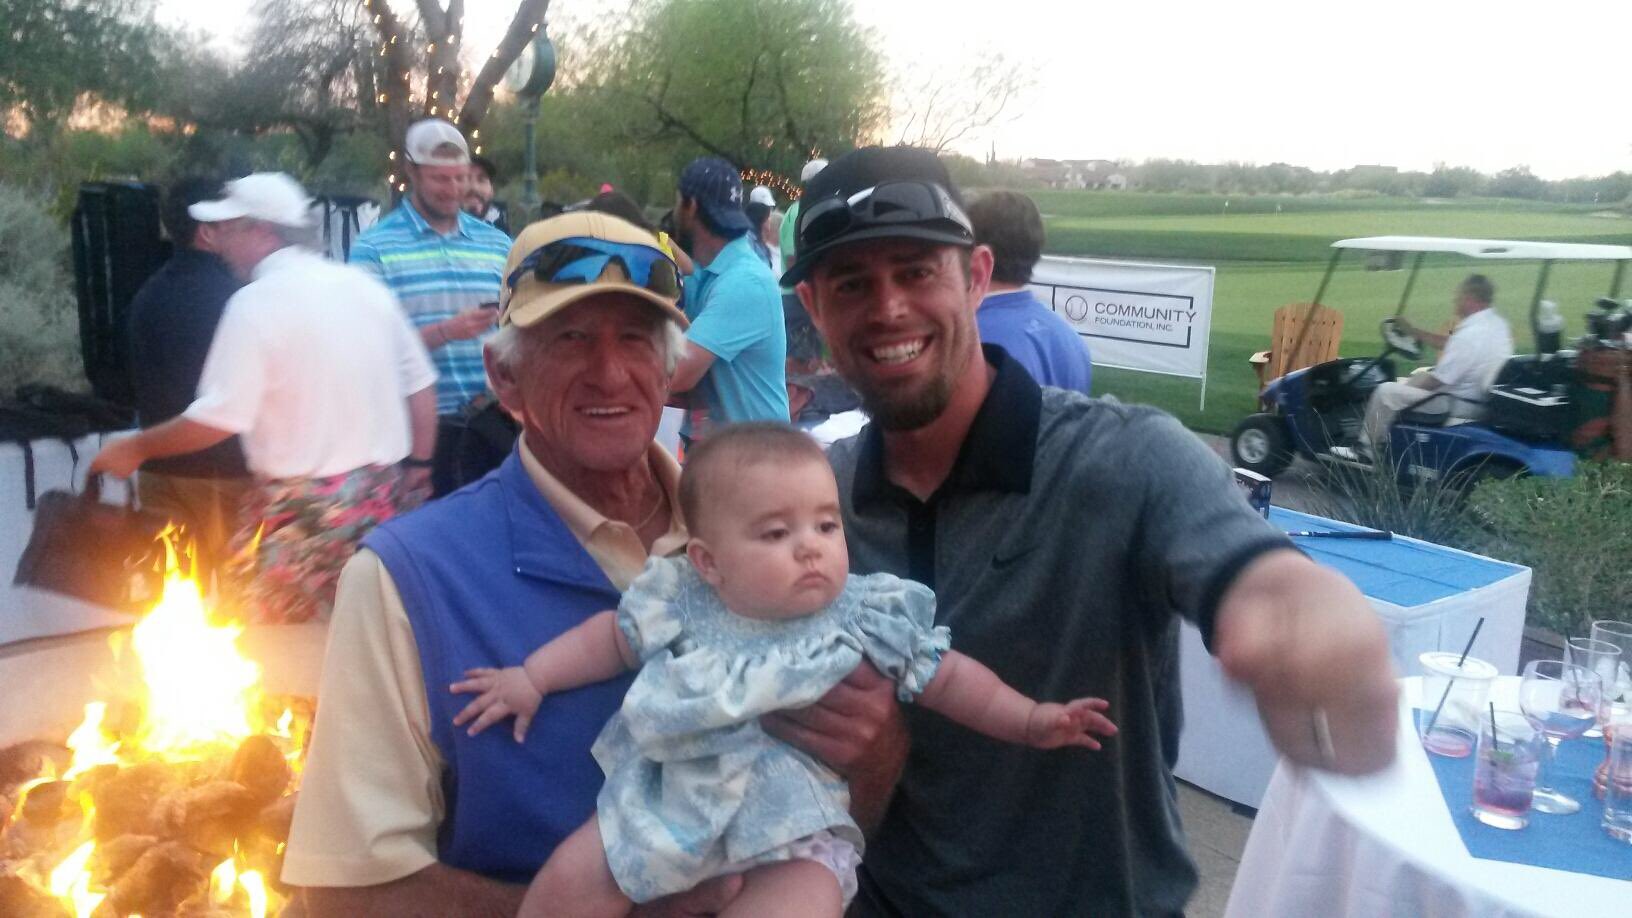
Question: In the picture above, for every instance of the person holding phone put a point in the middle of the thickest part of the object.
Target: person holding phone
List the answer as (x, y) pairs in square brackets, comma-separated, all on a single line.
[(445, 267)]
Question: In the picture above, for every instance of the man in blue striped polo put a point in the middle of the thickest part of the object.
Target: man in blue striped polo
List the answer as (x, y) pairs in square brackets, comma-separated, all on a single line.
[(446, 268)]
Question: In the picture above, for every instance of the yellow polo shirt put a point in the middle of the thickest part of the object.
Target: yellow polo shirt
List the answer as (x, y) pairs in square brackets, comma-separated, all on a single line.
[(371, 794)]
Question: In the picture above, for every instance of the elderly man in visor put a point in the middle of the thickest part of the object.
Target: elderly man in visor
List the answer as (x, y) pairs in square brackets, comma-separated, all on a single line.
[(1065, 537), (400, 813)]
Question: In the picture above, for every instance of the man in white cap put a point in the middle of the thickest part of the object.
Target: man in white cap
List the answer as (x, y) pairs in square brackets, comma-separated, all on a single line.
[(445, 266), (325, 383)]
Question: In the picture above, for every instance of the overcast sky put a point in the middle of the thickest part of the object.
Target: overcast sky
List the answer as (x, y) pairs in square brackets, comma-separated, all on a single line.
[(1483, 83)]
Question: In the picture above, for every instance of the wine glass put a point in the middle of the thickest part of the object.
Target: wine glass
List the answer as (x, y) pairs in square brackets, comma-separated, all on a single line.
[(1563, 701)]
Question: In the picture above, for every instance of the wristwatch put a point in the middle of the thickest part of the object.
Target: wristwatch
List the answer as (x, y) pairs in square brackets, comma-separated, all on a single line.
[(414, 463)]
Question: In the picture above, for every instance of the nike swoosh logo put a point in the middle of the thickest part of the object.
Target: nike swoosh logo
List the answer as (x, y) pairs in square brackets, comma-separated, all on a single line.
[(1006, 559)]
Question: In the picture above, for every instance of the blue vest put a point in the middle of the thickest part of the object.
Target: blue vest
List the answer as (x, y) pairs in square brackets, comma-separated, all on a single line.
[(487, 575)]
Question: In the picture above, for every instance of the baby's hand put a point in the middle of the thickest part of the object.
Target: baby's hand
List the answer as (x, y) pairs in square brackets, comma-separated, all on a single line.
[(1073, 724), (503, 693)]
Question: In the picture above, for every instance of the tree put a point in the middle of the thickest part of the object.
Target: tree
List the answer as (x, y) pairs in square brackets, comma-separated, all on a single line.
[(939, 109), (441, 27), (764, 84), (1451, 181), (54, 53), (315, 71), (1517, 182)]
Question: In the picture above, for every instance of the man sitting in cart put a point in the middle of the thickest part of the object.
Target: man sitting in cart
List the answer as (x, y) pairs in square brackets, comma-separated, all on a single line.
[(1469, 359)]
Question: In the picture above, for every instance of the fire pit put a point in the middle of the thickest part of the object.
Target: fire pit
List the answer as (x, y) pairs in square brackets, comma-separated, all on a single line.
[(173, 794)]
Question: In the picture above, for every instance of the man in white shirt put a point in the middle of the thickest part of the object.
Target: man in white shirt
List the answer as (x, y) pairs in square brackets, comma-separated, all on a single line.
[(316, 369), (1470, 358)]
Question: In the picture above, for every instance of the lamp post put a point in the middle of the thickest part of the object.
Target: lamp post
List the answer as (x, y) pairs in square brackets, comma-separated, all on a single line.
[(529, 77)]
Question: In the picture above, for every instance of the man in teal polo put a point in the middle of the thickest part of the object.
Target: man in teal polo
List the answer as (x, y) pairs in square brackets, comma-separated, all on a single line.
[(733, 369)]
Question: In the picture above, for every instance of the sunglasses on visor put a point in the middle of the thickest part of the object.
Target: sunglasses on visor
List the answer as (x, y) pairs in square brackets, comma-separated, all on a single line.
[(886, 204), (583, 259)]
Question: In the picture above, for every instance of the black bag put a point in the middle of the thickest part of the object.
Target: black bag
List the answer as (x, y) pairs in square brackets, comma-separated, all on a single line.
[(488, 436), (101, 553)]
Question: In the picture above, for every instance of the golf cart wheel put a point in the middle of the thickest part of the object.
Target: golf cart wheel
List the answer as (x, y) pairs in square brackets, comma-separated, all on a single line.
[(1260, 445)]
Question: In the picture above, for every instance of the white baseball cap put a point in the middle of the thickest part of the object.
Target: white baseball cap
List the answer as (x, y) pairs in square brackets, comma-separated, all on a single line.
[(812, 169), (270, 196), (424, 137), (762, 195)]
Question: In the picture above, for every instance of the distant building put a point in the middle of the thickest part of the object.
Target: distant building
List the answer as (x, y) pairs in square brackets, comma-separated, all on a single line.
[(1092, 174)]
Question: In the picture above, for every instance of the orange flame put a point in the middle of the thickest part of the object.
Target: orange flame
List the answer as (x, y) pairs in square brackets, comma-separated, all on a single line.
[(200, 698)]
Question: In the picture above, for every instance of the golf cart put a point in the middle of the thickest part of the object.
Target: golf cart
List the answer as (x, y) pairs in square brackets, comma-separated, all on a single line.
[(1527, 425)]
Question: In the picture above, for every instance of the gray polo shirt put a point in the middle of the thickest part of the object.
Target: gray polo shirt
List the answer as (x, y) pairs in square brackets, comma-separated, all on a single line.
[(1067, 539)]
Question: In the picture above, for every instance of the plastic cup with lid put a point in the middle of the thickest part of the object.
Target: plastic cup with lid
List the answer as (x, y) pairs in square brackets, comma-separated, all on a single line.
[(1457, 692)]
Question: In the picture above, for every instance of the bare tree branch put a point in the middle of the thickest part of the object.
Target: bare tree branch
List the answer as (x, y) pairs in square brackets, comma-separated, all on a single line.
[(527, 21), (941, 110)]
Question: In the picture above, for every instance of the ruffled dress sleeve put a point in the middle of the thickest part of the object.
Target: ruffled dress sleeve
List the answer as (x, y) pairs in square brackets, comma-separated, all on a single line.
[(895, 622), (649, 613)]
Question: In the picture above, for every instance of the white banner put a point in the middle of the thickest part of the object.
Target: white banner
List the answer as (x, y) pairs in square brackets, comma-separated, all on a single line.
[(1133, 316)]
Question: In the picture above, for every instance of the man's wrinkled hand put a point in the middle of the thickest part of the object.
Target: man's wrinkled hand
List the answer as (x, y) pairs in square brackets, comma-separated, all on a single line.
[(1308, 644), (846, 724)]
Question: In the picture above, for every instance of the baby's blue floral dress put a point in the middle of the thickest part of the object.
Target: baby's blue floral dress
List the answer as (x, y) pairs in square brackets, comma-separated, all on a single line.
[(694, 787)]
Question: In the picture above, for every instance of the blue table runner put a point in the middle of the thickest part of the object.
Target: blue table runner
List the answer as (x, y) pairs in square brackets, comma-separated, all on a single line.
[(1576, 843)]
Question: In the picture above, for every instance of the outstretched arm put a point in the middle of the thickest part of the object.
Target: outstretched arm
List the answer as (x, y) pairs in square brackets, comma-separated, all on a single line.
[(593, 651), (969, 693)]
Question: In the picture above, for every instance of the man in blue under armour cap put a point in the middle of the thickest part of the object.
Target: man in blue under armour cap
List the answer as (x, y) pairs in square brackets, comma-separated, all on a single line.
[(734, 366)]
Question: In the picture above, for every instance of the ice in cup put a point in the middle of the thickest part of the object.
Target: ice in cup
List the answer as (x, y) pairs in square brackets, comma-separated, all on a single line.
[(1504, 774), (1618, 780), (1463, 688)]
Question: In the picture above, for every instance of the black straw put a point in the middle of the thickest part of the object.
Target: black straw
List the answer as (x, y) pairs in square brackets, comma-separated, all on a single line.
[(1459, 661), (1494, 738), (1471, 638)]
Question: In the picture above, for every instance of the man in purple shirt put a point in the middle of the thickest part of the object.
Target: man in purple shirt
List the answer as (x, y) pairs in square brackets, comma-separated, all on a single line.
[(1011, 316)]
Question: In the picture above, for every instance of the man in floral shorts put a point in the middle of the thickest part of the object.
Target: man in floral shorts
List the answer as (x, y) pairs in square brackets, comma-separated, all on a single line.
[(326, 384)]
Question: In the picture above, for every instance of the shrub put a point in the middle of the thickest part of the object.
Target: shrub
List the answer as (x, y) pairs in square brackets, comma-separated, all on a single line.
[(1429, 510), (1574, 533), (39, 324)]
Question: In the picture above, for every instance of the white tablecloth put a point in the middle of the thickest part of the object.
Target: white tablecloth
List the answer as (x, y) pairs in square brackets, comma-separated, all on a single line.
[(1384, 845), (1223, 748)]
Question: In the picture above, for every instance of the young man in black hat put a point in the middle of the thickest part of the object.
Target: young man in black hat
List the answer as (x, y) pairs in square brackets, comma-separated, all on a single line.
[(1064, 537), (479, 191), (737, 347)]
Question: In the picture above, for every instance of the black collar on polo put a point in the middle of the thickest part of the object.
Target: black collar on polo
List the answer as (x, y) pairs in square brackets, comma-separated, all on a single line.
[(997, 454)]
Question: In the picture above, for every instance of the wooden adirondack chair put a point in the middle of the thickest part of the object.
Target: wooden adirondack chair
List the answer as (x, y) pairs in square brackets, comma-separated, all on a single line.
[(1304, 334)]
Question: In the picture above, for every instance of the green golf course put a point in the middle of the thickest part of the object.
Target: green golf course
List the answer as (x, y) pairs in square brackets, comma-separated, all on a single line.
[(1271, 250)]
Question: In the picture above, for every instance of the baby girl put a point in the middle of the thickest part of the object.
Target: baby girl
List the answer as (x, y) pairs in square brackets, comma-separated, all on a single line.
[(761, 615)]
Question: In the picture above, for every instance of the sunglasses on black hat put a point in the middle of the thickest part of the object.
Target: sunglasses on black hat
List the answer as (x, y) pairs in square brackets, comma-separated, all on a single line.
[(885, 204)]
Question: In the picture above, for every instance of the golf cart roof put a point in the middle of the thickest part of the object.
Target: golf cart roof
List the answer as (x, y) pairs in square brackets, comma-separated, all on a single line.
[(1490, 248)]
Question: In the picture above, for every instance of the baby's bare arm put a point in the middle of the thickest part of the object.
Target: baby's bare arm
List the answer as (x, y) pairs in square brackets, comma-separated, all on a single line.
[(594, 651), (965, 690)]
